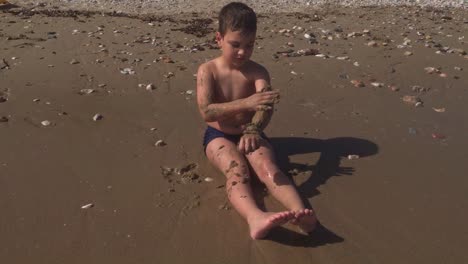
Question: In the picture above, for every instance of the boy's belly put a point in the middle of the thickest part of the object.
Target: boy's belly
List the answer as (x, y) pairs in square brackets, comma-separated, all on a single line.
[(234, 125)]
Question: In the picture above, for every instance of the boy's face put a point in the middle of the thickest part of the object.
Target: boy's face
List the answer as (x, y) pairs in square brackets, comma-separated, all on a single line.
[(237, 48)]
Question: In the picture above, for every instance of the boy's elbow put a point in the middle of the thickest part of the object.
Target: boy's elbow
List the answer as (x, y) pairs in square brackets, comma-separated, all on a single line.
[(208, 115)]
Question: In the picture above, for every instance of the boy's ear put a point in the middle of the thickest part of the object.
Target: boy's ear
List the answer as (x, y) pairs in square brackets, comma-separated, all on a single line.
[(218, 37)]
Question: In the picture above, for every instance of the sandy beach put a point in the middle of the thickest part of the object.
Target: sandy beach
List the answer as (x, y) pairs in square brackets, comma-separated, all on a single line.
[(101, 158)]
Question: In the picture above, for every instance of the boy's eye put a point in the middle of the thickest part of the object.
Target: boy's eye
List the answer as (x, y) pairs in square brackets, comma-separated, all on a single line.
[(235, 45)]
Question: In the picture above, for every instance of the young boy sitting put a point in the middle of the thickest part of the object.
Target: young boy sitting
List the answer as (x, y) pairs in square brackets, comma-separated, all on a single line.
[(235, 100)]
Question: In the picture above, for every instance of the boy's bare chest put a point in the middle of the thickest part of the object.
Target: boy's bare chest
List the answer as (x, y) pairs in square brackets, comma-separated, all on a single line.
[(232, 87)]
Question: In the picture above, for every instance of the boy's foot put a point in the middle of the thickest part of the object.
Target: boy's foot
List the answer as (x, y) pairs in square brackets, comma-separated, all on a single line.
[(305, 219), (262, 224)]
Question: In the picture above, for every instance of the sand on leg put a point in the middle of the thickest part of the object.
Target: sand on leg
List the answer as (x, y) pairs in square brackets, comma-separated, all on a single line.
[(263, 163), (224, 155)]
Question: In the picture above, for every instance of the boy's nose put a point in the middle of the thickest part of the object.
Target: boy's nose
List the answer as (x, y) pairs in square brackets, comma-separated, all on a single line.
[(241, 52)]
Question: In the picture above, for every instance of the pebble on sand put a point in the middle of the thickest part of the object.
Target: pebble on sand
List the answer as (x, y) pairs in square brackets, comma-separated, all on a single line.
[(353, 157)]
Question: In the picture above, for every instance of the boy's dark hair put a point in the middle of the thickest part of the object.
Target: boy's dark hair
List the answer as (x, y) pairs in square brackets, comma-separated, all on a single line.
[(237, 16)]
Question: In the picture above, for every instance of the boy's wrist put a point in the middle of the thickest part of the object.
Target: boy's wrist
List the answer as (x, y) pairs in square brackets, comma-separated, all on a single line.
[(251, 128)]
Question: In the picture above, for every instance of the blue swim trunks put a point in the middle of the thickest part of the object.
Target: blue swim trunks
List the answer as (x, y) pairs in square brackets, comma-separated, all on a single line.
[(212, 133)]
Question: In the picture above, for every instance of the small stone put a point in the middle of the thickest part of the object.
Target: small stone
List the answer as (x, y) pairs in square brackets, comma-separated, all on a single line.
[(189, 92), (102, 85), (3, 119), (410, 99), (431, 70), (293, 73), (408, 53), (97, 117), (353, 157), (357, 83), (342, 58), (169, 75), (356, 64), (73, 61), (393, 88), (46, 123), (438, 136), (458, 68), (160, 143), (372, 44), (36, 100), (443, 75)]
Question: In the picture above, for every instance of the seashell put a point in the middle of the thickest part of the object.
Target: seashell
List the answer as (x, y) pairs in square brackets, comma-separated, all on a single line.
[(439, 110), (209, 179), (86, 91), (97, 117), (46, 123), (150, 87), (377, 84), (87, 206), (353, 157), (160, 143), (127, 71)]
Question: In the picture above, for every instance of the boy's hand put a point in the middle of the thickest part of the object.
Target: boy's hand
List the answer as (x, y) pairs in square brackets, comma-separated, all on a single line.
[(249, 143), (260, 101)]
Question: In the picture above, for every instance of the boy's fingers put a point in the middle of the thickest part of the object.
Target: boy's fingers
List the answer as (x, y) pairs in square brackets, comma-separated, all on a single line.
[(263, 108)]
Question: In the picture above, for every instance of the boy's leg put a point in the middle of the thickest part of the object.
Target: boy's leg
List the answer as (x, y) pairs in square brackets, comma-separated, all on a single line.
[(263, 162), (224, 155)]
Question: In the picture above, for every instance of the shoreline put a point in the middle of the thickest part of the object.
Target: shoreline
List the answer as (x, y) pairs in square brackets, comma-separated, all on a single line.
[(157, 7)]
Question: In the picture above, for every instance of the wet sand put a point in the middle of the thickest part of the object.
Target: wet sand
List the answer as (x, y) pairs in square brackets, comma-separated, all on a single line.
[(403, 201)]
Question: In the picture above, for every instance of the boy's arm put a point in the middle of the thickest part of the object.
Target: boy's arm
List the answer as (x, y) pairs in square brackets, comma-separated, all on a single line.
[(209, 110), (263, 115)]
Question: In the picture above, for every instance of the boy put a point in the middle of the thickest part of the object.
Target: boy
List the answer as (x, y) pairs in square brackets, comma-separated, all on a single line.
[(235, 100)]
